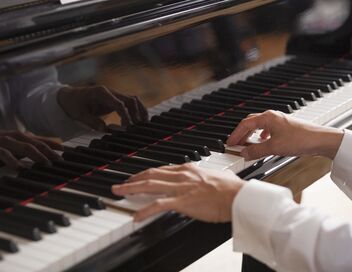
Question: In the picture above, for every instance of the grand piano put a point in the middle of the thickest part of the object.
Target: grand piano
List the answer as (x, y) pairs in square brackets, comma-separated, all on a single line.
[(200, 66)]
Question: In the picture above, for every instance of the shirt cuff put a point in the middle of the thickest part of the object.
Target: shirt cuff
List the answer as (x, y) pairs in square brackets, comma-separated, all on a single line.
[(57, 121), (254, 211), (341, 172)]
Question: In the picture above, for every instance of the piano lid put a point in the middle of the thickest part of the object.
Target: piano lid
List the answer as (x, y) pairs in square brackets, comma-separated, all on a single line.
[(58, 32)]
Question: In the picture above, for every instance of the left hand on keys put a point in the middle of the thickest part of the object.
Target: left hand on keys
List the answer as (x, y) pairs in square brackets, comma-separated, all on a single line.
[(87, 104), (203, 194)]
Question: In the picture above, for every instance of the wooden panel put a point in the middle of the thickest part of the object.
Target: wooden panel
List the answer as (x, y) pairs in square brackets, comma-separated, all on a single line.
[(301, 173)]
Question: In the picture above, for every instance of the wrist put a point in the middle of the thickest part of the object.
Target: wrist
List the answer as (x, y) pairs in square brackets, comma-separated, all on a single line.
[(326, 142)]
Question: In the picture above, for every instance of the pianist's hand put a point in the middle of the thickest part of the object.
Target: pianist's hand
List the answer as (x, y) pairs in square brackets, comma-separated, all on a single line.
[(202, 194), (285, 136), (15, 145), (87, 104)]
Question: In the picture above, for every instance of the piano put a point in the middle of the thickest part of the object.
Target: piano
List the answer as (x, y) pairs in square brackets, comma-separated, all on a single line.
[(201, 66)]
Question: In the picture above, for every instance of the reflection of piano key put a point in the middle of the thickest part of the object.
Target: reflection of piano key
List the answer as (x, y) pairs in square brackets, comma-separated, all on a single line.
[(89, 218)]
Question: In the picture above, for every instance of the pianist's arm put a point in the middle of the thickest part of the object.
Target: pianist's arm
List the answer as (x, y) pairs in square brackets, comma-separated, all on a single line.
[(267, 223), (34, 96), (270, 226)]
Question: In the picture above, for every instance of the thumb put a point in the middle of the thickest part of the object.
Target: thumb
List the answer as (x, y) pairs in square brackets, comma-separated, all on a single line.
[(93, 122), (256, 151)]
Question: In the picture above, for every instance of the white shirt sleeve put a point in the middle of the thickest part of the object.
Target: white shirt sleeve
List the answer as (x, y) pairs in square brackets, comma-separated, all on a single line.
[(271, 227), (34, 98)]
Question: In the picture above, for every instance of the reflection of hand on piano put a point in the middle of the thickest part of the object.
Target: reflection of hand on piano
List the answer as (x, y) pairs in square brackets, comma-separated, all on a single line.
[(86, 104), (203, 194), (288, 136), (15, 144)]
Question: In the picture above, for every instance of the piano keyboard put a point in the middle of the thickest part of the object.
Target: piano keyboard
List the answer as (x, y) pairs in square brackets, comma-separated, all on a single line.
[(54, 217)]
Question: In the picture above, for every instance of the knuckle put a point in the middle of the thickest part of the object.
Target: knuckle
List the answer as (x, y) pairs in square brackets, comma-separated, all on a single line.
[(28, 147), (4, 152)]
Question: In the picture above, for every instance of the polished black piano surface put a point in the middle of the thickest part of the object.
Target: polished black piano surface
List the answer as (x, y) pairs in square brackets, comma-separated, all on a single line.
[(157, 50)]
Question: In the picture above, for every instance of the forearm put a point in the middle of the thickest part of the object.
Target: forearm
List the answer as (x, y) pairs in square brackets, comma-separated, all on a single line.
[(34, 97), (287, 236)]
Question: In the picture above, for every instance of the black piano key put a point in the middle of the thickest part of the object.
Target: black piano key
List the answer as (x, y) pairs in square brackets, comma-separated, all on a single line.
[(58, 218), (144, 162), (293, 101), (325, 82), (220, 105), (317, 93), (226, 99), (305, 95), (293, 104), (42, 224), (11, 226), (74, 156), (221, 122), (213, 144), (115, 176), (48, 179), (74, 166), (59, 204), (8, 245), (123, 141), (68, 174), (344, 76), (192, 113), (127, 167), (215, 128), (271, 105), (18, 193), (277, 79), (174, 121), (6, 202), (110, 146), (211, 135), (29, 185), (137, 137), (95, 189), (232, 119), (192, 154), (96, 179), (164, 127), (240, 112), (202, 108), (323, 87), (150, 132), (202, 149), (164, 156), (93, 202), (194, 119), (102, 154)]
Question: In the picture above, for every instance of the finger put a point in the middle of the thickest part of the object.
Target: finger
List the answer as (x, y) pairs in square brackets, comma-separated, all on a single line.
[(40, 145), (10, 160), (157, 173), (142, 110), (246, 126), (131, 105), (257, 151), (160, 205), (152, 187), (23, 149), (115, 104), (51, 143)]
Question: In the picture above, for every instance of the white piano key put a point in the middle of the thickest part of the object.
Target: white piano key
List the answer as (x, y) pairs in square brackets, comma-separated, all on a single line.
[(6, 266)]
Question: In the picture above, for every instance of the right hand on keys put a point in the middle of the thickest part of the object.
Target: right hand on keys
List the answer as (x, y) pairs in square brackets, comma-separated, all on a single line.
[(285, 136), (15, 145)]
